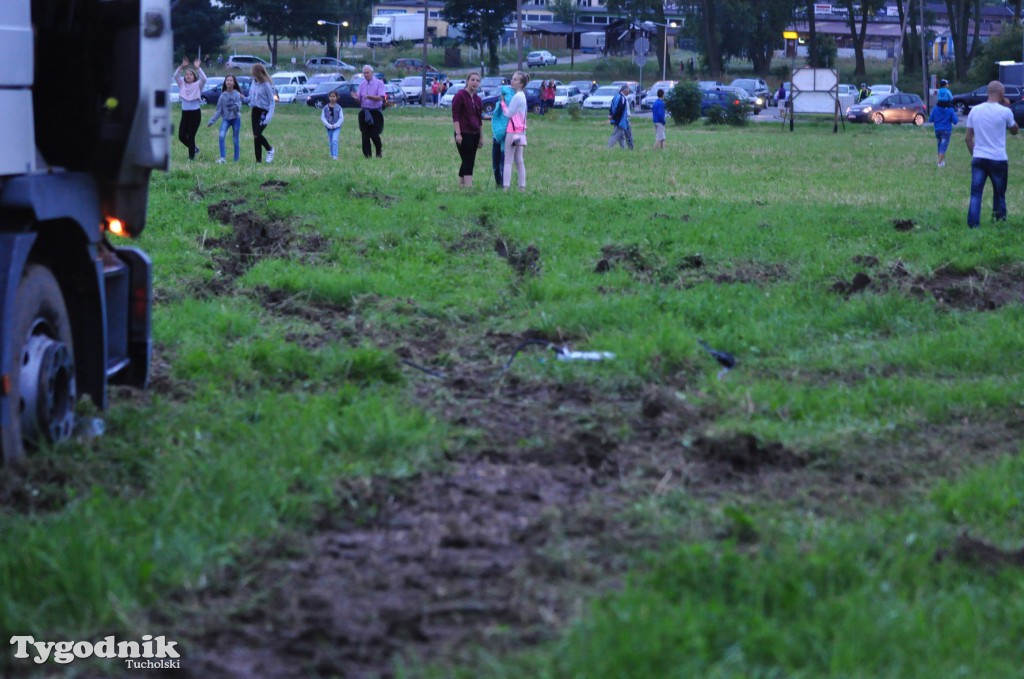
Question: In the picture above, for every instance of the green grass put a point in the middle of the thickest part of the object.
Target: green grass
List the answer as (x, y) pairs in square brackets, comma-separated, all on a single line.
[(259, 414)]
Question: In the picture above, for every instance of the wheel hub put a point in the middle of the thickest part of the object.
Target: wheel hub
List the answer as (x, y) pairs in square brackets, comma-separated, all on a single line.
[(48, 391)]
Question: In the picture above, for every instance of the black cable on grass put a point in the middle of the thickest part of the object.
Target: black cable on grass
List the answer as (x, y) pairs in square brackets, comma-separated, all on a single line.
[(504, 368)]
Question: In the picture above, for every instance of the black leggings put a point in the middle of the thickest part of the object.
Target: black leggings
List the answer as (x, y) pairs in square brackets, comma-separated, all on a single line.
[(257, 133), (371, 132), (467, 151), (187, 130)]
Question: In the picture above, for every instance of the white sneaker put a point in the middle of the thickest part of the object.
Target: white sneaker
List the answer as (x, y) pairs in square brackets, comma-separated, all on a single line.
[(270, 156), (221, 161), (942, 164)]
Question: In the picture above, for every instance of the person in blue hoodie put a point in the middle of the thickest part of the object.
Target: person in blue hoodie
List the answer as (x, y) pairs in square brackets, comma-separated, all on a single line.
[(618, 116), (499, 123), (944, 96), (944, 118), (658, 117)]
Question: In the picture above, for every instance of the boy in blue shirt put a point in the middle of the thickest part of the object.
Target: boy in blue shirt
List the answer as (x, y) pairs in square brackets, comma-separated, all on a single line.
[(944, 97), (658, 116), (944, 118)]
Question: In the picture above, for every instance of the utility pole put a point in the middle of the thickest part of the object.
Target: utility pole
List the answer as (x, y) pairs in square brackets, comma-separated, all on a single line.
[(426, 27), (519, 34), (924, 54)]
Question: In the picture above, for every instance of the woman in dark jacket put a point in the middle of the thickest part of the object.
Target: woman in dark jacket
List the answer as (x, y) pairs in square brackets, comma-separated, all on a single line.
[(467, 116)]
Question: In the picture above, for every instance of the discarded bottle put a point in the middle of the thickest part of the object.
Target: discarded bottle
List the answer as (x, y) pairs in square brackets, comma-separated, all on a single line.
[(566, 355)]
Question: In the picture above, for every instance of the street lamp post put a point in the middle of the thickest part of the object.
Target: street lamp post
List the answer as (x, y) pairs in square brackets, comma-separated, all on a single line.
[(337, 41), (664, 47)]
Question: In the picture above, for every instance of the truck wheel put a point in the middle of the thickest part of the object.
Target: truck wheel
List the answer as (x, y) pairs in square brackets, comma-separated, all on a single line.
[(43, 396)]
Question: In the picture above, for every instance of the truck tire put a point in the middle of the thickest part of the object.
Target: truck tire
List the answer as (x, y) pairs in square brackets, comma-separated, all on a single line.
[(43, 395)]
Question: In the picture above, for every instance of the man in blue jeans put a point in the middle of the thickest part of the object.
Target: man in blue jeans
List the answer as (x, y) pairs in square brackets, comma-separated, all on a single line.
[(986, 140)]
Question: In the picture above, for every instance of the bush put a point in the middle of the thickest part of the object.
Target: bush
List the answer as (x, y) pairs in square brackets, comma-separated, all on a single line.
[(575, 112), (716, 115), (683, 103), (736, 114)]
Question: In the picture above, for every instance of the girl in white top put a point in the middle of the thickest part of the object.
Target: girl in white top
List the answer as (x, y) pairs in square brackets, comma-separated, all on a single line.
[(190, 89), (515, 137)]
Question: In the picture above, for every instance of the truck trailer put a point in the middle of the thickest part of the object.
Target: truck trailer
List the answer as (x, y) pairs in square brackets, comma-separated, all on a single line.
[(86, 120), (391, 28)]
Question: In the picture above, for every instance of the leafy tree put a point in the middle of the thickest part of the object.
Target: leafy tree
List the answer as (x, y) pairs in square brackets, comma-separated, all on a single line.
[(647, 10), (284, 19), (749, 29), (961, 13), (683, 103), (481, 21), (867, 9), (198, 28), (1003, 47)]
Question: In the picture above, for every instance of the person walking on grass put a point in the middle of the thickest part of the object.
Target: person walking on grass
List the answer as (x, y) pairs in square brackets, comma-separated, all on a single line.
[(499, 127), (190, 88), (467, 117), (332, 117), (943, 119), (658, 116), (987, 124), (619, 118), (261, 100), (515, 133), (371, 110), (229, 111)]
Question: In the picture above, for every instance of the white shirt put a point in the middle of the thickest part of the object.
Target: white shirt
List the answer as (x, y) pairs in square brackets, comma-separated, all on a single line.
[(990, 122)]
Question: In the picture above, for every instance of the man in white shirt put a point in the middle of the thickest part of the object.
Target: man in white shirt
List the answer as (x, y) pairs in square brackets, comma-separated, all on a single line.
[(986, 140)]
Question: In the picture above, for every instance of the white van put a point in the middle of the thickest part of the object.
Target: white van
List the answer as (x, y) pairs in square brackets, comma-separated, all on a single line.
[(288, 78)]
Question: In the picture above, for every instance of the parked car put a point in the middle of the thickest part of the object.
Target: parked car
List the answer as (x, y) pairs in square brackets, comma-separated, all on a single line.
[(491, 84), (720, 98), (755, 104), (412, 86), (963, 103), (889, 108), (540, 58), (288, 78), (244, 61), (756, 88), (883, 89), (211, 95), (636, 95), (709, 84), (328, 64), (412, 65), (586, 87), (395, 94), (1018, 111), (601, 98), (324, 78), (289, 94), (319, 98), (652, 92), (566, 95), (532, 102), (449, 96)]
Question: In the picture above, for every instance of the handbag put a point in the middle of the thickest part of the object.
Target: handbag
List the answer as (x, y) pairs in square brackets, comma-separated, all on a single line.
[(367, 116)]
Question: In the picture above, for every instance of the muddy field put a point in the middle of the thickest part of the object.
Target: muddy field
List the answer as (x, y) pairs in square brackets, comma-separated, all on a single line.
[(533, 512)]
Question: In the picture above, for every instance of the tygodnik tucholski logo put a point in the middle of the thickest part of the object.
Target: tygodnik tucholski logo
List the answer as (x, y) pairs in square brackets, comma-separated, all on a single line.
[(152, 652)]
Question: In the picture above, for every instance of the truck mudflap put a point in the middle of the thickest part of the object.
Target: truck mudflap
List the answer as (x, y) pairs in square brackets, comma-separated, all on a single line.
[(129, 288), (14, 251)]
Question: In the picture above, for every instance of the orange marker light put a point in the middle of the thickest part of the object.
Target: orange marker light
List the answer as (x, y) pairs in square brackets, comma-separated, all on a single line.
[(115, 226)]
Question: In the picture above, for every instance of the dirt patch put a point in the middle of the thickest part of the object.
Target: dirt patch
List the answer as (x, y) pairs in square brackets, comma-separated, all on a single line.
[(378, 197), (255, 237), (860, 282), (903, 224), (472, 241), (524, 261), (980, 290), (37, 485), (978, 552), (745, 454)]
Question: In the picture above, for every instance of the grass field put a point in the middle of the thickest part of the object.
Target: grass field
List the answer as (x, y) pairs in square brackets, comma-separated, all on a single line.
[(291, 499)]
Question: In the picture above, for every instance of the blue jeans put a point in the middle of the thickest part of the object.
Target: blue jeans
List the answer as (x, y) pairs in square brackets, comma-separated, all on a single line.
[(497, 160), (983, 169), (942, 140), (236, 126), (332, 141)]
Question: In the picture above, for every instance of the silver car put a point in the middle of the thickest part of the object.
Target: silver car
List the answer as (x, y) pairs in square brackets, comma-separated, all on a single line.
[(540, 58)]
